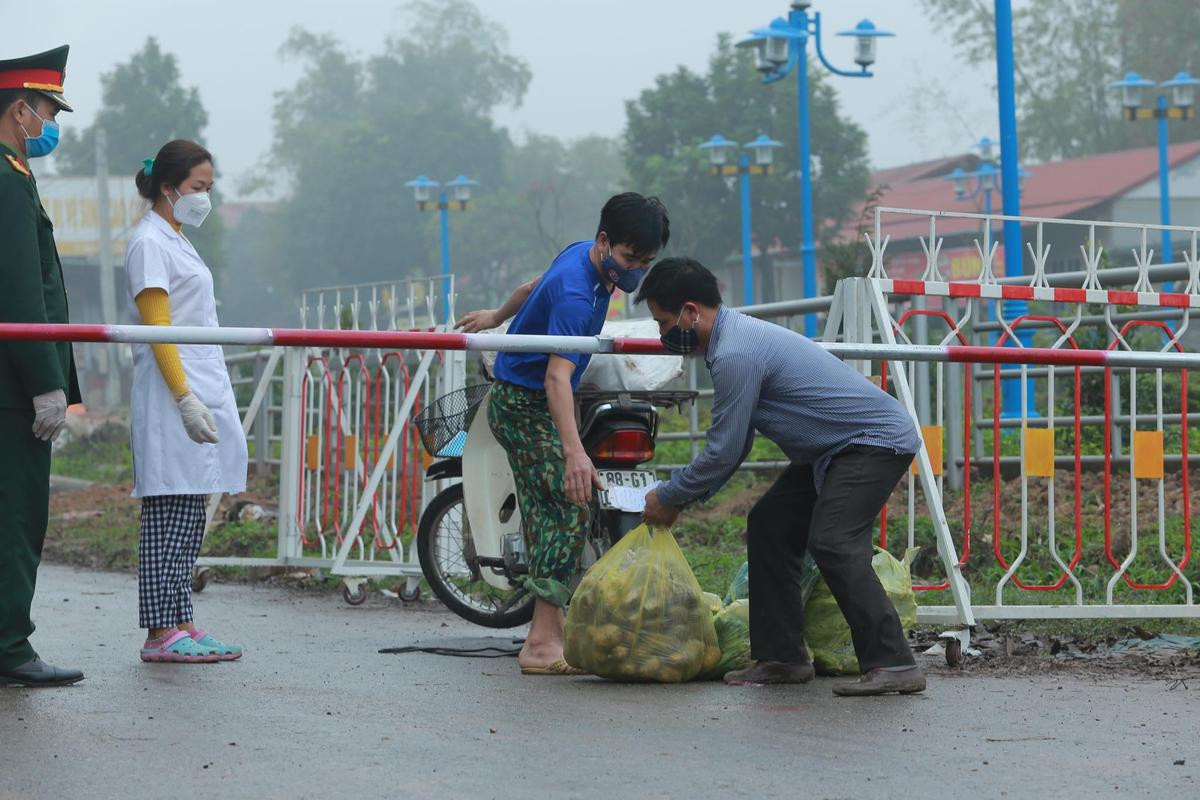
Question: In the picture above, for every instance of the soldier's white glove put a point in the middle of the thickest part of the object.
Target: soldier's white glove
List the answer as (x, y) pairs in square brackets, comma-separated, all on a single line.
[(50, 415), (197, 420)]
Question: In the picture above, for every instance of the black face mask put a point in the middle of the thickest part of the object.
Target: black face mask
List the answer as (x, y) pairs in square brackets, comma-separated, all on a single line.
[(626, 280), (679, 341)]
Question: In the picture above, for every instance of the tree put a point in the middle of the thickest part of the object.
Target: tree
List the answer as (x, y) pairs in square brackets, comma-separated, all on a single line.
[(144, 108), (668, 122), (565, 184), (551, 196), (351, 132), (1066, 51)]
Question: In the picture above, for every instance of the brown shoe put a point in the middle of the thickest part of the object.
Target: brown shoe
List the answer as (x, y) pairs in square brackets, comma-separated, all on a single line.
[(882, 681), (764, 672)]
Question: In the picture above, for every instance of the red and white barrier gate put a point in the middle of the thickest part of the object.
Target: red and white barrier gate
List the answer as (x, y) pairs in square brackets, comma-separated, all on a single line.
[(1025, 553)]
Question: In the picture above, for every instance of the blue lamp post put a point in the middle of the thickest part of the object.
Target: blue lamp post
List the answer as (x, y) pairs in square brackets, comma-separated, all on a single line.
[(1183, 96), (1006, 94), (719, 149), (987, 179), (423, 193), (780, 48)]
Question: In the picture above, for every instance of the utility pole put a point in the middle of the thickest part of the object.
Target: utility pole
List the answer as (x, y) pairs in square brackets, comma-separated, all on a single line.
[(108, 296)]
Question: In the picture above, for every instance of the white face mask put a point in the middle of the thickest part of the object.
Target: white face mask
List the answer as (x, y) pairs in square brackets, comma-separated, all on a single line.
[(191, 209)]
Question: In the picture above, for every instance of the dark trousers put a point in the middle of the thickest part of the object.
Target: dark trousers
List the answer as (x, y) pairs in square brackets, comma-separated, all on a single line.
[(24, 509), (835, 526)]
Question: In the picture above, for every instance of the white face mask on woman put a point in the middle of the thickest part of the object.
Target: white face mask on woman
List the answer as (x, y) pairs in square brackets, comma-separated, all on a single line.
[(191, 209)]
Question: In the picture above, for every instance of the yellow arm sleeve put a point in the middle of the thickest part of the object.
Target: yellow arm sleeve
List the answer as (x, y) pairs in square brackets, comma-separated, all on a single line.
[(155, 308)]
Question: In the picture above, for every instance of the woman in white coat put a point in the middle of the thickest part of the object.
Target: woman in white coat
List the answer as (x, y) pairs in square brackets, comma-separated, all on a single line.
[(186, 435)]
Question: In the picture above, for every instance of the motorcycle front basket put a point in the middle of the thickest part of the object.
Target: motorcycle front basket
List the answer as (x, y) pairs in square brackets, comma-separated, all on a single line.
[(445, 418)]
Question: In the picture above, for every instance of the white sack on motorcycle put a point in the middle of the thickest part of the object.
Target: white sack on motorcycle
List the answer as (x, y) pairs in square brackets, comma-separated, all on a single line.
[(620, 372)]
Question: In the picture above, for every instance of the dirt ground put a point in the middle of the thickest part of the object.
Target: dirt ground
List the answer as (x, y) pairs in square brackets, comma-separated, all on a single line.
[(96, 526), (1123, 651)]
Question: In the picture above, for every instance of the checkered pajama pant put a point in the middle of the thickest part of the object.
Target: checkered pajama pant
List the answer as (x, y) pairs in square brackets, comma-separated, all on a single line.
[(169, 543)]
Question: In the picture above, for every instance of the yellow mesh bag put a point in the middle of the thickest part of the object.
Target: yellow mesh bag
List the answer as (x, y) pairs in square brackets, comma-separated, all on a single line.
[(639, 614)]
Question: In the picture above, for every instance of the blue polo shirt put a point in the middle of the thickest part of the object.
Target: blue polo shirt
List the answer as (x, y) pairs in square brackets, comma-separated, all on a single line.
[(570, 300)]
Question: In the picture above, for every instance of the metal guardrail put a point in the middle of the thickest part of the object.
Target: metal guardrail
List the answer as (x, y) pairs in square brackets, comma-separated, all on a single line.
[(246, 373), (1118, 276)]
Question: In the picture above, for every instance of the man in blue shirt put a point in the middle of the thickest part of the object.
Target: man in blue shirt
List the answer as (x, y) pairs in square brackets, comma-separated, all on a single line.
[(849, 444), (531, 407)]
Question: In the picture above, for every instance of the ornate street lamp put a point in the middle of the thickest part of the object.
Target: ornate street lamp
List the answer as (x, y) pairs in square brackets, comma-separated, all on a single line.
[(423, 193), (1183, 95), (781, 48), (719, 149)]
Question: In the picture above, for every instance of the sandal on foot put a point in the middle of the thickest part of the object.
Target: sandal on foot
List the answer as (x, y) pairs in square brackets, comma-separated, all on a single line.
[(179, 648), (225, 652), (560, 667)]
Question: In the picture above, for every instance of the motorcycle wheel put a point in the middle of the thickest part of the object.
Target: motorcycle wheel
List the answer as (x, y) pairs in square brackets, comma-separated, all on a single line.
[(443, 540)]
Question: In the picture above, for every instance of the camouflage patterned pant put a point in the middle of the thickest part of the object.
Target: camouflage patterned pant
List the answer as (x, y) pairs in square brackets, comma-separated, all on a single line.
[(554, 526)]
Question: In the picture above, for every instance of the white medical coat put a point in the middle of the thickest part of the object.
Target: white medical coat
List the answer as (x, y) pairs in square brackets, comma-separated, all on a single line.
[(165, 460)]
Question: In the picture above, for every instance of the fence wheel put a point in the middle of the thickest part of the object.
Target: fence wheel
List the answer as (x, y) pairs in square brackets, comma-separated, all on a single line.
[(200, 579), (953, 653), (356, 596)]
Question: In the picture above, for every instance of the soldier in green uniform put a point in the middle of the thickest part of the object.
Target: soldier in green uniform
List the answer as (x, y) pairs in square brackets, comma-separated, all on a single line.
[(37, 379)]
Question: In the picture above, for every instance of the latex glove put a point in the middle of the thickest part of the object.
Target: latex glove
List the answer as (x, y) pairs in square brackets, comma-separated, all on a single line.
[(197, 420), (50, 415)]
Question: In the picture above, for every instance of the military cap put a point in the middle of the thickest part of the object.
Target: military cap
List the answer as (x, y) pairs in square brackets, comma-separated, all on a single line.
[(43, 73)]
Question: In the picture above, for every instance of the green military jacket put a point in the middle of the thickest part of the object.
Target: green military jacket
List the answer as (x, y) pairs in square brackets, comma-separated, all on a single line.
[(31, 290)]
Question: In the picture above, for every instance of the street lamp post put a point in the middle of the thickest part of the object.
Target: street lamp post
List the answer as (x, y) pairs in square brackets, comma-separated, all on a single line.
[(423, 193), (987, 178), (719, 149), (1006, 96), (780, 48), (1183, 97)]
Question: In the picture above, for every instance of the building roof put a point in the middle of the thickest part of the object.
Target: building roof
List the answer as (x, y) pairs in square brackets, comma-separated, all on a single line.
[(1060, 189)]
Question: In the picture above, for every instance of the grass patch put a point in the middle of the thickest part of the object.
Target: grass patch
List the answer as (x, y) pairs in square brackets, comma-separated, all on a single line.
[(103, 456), (712, 536), (97, 528), (106, 538), (714, 566), (1097, 628)]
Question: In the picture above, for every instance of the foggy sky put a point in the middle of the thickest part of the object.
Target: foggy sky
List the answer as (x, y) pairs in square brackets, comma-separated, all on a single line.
[(587, 57)]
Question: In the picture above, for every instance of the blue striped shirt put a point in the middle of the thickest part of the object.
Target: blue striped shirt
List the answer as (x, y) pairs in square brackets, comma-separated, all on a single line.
[(790, 389)]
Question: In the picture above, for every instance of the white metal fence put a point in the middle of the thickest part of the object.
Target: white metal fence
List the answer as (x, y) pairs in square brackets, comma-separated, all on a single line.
[(336, 423)]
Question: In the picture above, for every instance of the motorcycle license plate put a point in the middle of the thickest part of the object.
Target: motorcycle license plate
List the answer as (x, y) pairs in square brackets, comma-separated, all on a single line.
[(627, 489)]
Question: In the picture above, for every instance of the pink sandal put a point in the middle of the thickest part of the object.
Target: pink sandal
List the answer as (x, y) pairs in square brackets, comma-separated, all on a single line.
[(177, 647)]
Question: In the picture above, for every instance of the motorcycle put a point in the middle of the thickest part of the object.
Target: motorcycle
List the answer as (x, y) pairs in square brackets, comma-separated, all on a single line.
[(471, 543)]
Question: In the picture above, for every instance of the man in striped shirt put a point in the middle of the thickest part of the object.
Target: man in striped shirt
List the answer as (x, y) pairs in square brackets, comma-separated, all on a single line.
[(849, 444)]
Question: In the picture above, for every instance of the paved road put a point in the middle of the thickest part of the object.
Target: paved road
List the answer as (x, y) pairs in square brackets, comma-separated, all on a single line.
[(314, 711)]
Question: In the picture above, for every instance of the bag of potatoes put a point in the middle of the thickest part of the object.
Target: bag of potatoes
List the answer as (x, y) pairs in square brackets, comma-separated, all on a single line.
[(639, 614)]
